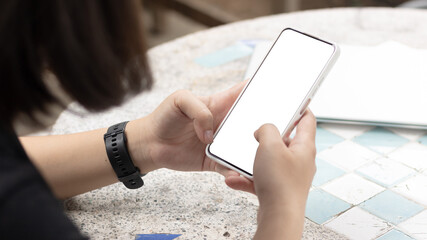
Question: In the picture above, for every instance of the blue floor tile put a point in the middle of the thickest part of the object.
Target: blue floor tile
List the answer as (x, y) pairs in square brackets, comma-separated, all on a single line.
[(156, 236), (423, 140), (322, 206), (325, 172), (224, 55), (391, 207), (380, 140), (395, 235), (326, 139)]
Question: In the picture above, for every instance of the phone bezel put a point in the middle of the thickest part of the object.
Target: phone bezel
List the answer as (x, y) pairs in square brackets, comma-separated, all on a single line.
[(297, 115)]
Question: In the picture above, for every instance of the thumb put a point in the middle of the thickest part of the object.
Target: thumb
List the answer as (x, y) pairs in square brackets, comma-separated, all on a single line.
[(267, 133)]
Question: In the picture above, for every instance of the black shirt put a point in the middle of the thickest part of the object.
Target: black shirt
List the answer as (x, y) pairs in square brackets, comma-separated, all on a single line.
[(28, 208)]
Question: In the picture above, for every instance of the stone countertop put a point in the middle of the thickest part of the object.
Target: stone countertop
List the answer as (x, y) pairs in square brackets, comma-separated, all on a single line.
[(199, 205)]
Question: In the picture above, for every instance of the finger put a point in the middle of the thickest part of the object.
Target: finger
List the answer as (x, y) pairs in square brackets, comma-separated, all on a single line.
[(220, 103), (195, 109), (267, 133), (240, 183), (224, 171), (306, 129), (235, 90), (232, 93), (229, 94), (233, 178)]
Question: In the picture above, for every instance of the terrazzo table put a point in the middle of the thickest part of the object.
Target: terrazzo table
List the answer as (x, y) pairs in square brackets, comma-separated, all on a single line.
[(199, 205)]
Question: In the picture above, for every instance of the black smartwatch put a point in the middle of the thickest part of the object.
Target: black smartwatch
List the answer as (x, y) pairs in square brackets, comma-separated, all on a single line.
[(115, 144)]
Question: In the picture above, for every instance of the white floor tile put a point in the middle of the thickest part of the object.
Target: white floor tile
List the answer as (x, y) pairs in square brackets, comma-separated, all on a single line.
[(359, 224), (416, 226), (414, 188), (411, 134), (345, 131), (413, 155), (348, 155), (352, 188), (385, 171)]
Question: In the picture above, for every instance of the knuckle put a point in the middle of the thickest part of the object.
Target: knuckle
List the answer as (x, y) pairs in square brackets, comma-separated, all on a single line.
[(180, 97), (311, 168), (314, 169), (181, 92), (313, 151), (310, 149), (267, 126), (176, 96), (204, 114)]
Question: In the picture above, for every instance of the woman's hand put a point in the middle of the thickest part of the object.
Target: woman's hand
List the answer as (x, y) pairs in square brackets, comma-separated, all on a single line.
[(299, 153), (175, 135), (290, 169), (282, 179)]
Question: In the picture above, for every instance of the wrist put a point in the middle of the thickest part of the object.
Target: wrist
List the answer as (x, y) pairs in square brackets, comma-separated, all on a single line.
[(281, 208), (293, 198), (280, 223), (139, 145), (279, 211)]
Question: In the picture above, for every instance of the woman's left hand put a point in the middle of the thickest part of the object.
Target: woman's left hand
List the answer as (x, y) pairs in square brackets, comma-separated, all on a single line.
[(175, 135)]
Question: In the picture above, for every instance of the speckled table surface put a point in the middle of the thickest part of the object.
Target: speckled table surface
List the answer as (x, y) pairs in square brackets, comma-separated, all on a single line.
[(200, 205)]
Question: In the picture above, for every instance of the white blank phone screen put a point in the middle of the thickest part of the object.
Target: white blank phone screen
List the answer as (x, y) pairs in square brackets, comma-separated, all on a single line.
[(274, 95)]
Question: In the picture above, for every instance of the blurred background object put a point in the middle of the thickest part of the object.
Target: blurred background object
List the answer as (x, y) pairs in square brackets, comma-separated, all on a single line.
[(168, 19), (422, 4)]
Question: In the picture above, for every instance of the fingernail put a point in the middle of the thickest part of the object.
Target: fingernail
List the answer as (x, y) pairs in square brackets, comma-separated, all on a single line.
[(209, 136)]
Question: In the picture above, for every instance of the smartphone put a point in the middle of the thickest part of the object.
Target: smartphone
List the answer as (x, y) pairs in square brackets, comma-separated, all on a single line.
[(278, 93)]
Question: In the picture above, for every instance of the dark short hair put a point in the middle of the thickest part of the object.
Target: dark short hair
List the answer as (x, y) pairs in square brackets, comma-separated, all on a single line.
[(95, 49)]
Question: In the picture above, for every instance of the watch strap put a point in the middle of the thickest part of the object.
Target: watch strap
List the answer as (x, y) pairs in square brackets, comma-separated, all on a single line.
[(116, 147)]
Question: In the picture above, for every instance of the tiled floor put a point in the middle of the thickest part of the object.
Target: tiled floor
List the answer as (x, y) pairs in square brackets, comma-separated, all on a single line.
[(371, 182)]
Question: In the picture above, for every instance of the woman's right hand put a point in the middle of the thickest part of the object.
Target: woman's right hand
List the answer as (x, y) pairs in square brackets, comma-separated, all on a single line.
[(282, 179), (284, 173), (290, 167)]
